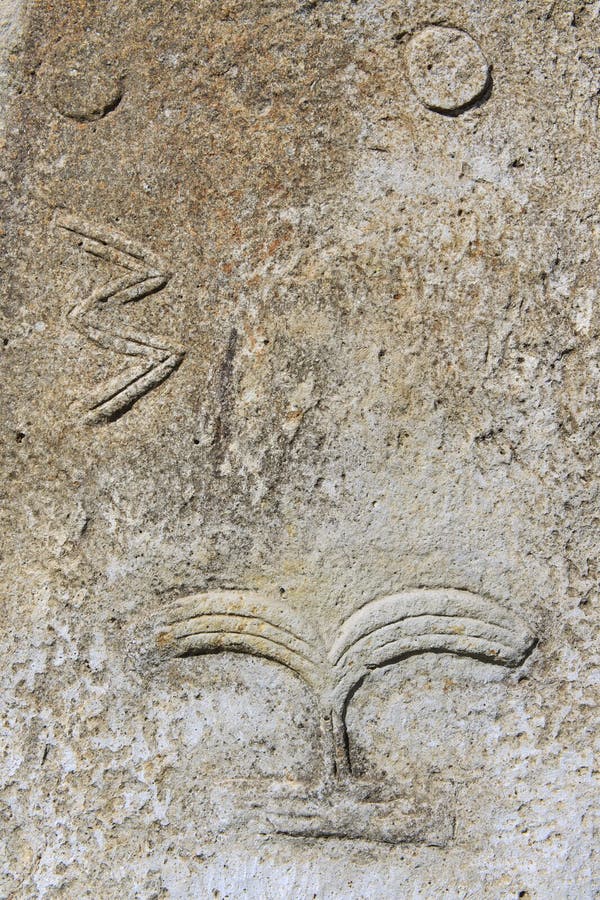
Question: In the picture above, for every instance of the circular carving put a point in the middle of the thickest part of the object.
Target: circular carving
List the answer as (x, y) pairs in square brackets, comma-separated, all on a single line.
[(447, 70), (85, 84)]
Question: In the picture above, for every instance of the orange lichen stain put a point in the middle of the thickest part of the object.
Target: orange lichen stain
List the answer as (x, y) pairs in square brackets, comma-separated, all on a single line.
[(295, 416), (476, 248), (164, 639), (256, 340), (149, 768), (274, 245)]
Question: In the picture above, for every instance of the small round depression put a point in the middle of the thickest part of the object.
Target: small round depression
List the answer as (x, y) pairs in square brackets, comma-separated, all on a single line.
[(447, 70), (86, 83)]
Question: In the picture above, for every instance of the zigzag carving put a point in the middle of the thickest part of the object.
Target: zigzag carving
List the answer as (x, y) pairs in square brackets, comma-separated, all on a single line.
[(145, 274)]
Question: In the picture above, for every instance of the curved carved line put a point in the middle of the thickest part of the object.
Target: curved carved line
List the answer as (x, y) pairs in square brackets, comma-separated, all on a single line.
[(198, 637), (481, 630), (425, 602), (261, 627), (494, 652), (426, 625), (350, 683), (470, 645), (239, 615), (245, 603), (253, 645)]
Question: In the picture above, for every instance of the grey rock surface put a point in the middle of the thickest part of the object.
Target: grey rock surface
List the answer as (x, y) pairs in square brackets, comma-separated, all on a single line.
[(299, 557)]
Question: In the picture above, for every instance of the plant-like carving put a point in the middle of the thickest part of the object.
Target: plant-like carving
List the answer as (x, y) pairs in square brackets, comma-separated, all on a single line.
[(383, 632), (142, 274)]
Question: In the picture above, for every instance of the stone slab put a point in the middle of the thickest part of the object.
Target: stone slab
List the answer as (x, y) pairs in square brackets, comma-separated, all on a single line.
[(299, 557)]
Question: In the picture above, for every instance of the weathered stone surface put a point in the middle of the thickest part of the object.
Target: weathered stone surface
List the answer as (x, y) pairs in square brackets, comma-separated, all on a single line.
[(300, 466)]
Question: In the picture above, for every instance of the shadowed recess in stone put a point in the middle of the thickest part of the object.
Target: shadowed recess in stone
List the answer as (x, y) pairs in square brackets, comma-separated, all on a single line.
[(448, 70)]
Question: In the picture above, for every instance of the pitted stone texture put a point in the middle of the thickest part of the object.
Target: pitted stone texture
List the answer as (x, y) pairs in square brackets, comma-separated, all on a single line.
[(447, 69)]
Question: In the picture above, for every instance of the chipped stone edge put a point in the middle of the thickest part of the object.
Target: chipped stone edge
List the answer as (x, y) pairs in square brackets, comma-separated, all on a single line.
[(12, 19)]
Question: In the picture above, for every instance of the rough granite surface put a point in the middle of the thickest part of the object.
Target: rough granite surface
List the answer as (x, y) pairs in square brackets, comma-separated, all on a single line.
[(300, 514)]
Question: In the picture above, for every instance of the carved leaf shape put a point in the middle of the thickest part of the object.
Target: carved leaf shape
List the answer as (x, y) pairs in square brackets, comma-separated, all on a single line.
[(420, 621), (245, 622)]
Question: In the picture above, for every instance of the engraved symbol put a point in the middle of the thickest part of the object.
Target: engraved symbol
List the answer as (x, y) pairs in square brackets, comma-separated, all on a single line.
[(381, 633), (145, 274), (86, 82), (447, 70)]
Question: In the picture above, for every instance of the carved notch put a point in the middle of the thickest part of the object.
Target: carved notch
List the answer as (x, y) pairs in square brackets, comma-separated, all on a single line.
[(145, 274)]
